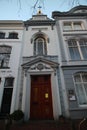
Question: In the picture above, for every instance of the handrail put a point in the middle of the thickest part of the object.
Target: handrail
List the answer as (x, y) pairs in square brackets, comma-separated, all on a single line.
[(81, 122)]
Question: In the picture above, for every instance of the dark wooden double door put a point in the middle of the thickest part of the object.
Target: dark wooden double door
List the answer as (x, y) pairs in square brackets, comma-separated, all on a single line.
[(41, 97)]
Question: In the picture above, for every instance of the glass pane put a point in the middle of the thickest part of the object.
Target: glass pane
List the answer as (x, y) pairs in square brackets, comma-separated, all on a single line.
[(80, 94), (72, 43), (45, 49), (34, 48), (5, 49), (5, 63), (13, 35), (74, 53), (83, 42), (84, 51), (85, 87), (77, 78), (9, 82), (4, 60), (40, 48), (67, 26), (2, 35), (77, 26), (84, 77), (6, 100)]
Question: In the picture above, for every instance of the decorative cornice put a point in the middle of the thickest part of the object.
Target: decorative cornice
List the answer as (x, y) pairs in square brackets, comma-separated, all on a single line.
[(39, 60), (71, 13), (39, 23), (39, 20)]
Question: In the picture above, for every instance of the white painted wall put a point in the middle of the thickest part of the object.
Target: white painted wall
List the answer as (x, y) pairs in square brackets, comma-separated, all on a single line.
[(51, 46), (14, 62)]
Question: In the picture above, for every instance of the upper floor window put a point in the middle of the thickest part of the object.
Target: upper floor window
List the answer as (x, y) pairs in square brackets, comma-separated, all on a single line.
[(40, 47), (77, 49), (73, 26), (13, 35), (80, 80), (2, 35), (5, 52)]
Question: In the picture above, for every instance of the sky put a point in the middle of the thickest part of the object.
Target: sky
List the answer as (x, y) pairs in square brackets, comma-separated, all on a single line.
[(14, 10)]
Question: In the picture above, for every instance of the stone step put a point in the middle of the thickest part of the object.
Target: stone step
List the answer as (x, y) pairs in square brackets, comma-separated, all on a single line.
[(42, 125)]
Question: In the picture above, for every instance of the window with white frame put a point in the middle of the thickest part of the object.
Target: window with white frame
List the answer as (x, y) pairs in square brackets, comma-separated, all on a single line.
[(73, 26), (5, 52), (13, 35), (67, 26), (40, 47), (80, 80), (2, 35), (77, 49), (7, 95)]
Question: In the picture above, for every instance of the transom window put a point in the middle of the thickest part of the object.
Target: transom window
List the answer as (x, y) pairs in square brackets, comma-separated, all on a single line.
[(73, 26), (80, 80), (9, 82), (5, 52), (40, 47), (77, 49)]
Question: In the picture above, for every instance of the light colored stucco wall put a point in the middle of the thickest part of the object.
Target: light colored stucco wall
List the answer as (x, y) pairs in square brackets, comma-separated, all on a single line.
[(14, 61), (47, 30)]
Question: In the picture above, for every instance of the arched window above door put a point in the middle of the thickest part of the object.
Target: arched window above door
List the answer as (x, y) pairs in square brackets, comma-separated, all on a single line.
[(40, 46), (40, 42)]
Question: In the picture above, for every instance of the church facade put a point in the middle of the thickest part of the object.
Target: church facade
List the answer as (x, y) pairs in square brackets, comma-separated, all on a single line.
[(43, 65)]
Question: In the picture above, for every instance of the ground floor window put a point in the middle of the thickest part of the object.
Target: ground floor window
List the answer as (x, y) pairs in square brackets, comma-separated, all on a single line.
[(7, 95), (80, 80)]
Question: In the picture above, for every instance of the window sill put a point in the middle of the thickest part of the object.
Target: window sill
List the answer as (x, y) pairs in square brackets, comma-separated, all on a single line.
[(4, 67), (83, 106), (74, 30), (78, 109), (77, 60), (9, 39)]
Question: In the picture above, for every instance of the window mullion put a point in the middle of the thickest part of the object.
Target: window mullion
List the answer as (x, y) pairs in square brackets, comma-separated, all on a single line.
[(72, 25), (36, 47), (80, 52), (82, 26), (43, 47)]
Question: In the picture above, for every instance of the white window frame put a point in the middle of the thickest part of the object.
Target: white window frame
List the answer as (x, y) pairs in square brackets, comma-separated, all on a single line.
[(72, 25), (79, 49), (43, 45), (3, 58), (82, 83), (39, 41)]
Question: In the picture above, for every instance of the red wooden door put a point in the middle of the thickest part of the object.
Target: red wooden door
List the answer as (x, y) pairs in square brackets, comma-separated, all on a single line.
[(41, 97)]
